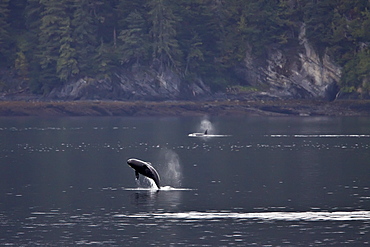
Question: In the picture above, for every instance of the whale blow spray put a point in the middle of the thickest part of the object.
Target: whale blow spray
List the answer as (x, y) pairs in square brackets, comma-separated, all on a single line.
[(206, 125), (171, 168)]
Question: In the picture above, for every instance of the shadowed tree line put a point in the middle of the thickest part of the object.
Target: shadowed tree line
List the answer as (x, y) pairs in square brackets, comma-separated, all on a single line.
[(47, 43)]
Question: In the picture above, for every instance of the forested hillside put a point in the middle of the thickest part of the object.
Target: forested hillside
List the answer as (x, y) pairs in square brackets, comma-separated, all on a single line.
[(47, 43)]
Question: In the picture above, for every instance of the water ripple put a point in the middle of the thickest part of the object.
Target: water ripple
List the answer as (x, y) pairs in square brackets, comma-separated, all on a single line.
[(265, 216), (321, 136)]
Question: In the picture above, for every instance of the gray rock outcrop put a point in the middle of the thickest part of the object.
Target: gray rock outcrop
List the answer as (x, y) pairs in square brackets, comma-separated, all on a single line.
[(139, 83), (297, 72)]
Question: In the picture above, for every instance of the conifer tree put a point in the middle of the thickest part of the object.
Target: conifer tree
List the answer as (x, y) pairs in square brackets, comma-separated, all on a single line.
[(194, 54), (58, 56), (317, 17), (125, 7), (21, 65), (189, 35), (163, 33), (66, 65), (4, 32), (33, 11), (135, 40), (84, 36), (104, 60)]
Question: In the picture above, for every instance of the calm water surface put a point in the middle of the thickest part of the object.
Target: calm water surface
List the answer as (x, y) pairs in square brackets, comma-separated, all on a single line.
[(267, 182)]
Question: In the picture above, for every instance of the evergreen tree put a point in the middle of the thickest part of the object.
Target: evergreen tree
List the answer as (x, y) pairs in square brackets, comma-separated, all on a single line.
[(135, 40), (57, 54), (106, 14), (33, 11), (104, 60), (66, 65), (229, 19), (4, 32), (21, 65), (125, 7), (191, 33), (84, 36), (163, 32), (351, 41), (318, 16), (194, 53)]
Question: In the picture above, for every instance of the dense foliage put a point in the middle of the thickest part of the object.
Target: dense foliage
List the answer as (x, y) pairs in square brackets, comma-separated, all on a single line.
[(49, 42)]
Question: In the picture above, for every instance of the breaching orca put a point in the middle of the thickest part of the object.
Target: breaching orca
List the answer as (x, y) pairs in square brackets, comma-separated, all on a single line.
[(144, 168)]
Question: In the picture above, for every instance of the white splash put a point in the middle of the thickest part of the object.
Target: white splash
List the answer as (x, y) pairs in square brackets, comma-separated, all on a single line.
[(151, 183), (164, 188), (146, 183)]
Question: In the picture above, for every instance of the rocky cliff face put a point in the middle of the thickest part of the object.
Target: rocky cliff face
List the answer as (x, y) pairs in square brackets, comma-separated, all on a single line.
[(138, 83), (294, 72)]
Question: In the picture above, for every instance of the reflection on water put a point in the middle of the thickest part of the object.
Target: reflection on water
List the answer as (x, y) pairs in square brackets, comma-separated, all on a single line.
[(271, 182), (146, 198), (167, 195)]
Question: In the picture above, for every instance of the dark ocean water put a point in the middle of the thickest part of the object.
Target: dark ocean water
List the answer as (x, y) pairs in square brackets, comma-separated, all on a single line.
[(256, 181)]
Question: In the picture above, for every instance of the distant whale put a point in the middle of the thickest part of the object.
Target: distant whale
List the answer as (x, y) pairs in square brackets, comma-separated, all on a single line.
[(199, 134), (144, 168), (205, 135)]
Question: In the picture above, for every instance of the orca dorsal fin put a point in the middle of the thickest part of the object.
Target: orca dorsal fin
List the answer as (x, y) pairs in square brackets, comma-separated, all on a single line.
[(206, 132)]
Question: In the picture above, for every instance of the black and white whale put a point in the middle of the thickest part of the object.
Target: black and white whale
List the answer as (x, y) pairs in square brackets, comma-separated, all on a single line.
[(144, 168), (199, 134), (205, 135)]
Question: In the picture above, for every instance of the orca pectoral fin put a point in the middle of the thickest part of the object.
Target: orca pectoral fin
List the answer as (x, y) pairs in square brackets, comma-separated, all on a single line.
[(137, 175)]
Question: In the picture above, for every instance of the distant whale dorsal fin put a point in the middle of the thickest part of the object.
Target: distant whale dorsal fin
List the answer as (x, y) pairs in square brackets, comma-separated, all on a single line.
[(206, 132)]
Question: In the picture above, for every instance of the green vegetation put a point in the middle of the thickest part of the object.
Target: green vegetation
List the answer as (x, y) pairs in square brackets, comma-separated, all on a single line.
[(49, 42)]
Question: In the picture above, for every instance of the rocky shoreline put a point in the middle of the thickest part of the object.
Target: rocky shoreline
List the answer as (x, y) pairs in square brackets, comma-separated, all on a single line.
[(186, 108)]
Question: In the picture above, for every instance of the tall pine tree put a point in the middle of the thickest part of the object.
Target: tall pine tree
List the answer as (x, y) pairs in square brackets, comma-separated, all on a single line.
[(84, 25), (57, 54), (135, 45), (67, 65), (4, 25), (189, 35), (163, 32)]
